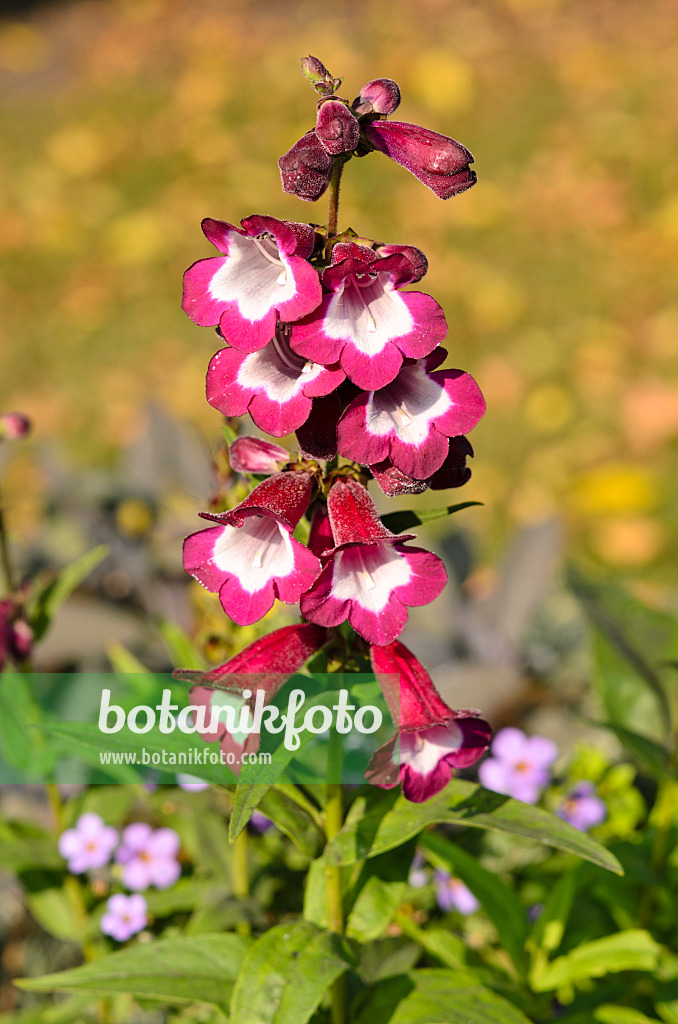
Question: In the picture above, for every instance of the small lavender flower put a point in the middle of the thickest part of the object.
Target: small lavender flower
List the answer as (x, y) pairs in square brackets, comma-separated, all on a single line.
[(259, 823), (418, 876), (89, 844), (519, 765), (125, 916), (582, 808), (452, 894), (148, 857), (190, 784)]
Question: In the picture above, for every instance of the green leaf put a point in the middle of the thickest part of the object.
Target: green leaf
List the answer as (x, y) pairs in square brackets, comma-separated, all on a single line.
[(52, 909), (501, 903), (549, 927), (200, 968), (49, 599), (286, 973), (649, 755), (374, 908), (610, 1013), (256, 779), (407, 519), (386, 957), (436, 997), (293, 820), (386, 822), (22, 846), (16, 716), (179, 645), (633, 950)]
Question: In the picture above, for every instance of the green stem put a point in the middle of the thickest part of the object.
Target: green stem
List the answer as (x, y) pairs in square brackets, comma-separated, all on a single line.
[(333, 210), (5, 560), (241, 877), (334, 819), (72, 886)]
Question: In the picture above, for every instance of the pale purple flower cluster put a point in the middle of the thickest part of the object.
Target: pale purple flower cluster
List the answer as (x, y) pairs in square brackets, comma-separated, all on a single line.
[(147, 856), (453, 894), (582, 808), (519, 765)]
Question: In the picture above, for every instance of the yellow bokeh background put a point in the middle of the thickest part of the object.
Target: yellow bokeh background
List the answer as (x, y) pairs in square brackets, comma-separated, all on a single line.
[(124, 122)]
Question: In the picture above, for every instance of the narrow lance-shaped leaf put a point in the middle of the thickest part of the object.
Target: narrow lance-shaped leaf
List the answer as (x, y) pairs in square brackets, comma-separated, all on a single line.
[(390, 820), (406, 519)]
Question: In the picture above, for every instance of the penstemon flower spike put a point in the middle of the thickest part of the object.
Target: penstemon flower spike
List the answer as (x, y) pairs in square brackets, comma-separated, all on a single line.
[(322, 335)]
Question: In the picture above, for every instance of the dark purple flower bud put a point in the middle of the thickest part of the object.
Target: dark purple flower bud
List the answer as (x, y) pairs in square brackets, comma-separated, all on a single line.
[(438, 161), (380, 96), (14, 425), (306, 168), (254, 455), (336, 127), (16, 635)]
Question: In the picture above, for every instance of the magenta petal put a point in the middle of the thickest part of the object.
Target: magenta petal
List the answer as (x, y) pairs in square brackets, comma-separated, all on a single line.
[(284, 497), (197, 302), (317, 437), (430, 325), (428, 576), (271, 659), (353, 514), (336, 127), (394, 482), (243, 606), (468, 405), (476, 737), (320, 540), (412, 698), (418, 787)]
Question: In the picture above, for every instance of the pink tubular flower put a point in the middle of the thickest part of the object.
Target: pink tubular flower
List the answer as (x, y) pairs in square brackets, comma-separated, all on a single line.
[(306, 168), (438, 161), (370, 576), (411, 419), (125, 916), (519, 765), (148, 857), (366, 323), (431, 739), (266, 664), (89, 844), (263, 275), (250, 558), (274, 384), (254, 455)]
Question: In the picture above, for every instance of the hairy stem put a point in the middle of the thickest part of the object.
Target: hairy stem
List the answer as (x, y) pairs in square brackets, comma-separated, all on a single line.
[(5, 560), (333, 821), (333, 210)]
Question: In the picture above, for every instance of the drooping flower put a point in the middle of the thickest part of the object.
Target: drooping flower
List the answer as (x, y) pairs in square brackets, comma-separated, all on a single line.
[(255, 455), (125, 916), (306, 168), (440, 162), (370, 576), (251, 558), (365, 322), (582, 808), (148, 857), (453, 894), (266, 664), (275, 385), (263, 275), (519, 765), (431, 739), (411, 420), (89, 844), (453, 473)]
